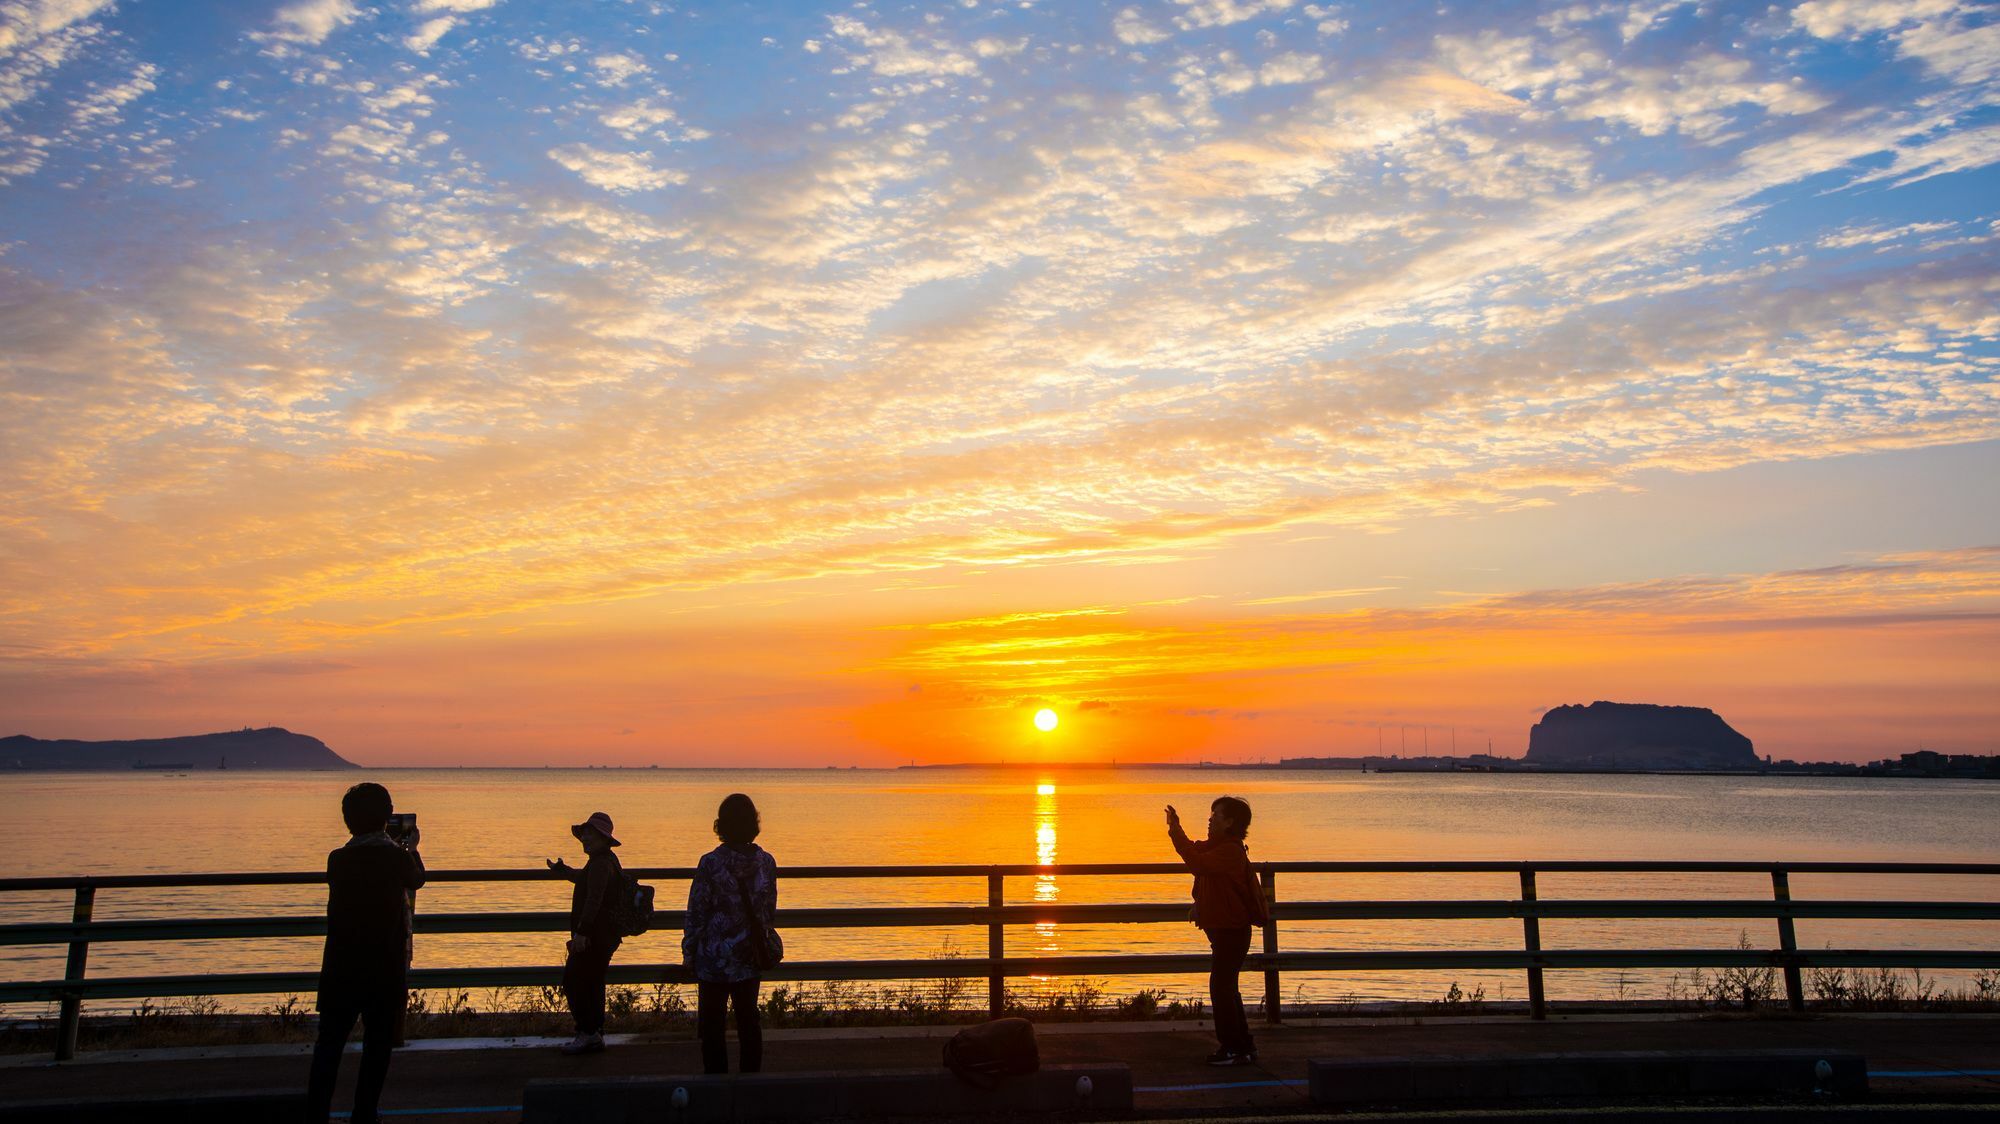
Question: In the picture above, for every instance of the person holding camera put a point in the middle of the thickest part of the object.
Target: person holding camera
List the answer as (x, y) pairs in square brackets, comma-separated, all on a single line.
[(594, 931), (1228, 902), (363, 970)]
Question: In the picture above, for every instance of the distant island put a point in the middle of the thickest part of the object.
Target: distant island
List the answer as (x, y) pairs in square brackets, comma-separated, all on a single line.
[(268, 748)]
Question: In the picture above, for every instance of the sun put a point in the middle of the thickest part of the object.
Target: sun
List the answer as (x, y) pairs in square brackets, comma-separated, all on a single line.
[(1045, 720)]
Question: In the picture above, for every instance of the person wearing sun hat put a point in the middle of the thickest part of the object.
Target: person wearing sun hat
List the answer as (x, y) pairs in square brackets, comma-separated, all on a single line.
[(593, 929)]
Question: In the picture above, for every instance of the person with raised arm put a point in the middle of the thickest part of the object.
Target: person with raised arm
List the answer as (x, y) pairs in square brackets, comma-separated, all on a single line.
[(594, 932), (364, 970), (1228, 903), (729, 942)]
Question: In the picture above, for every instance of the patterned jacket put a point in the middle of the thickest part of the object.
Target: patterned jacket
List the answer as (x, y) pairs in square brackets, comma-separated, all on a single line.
[(716, 944)]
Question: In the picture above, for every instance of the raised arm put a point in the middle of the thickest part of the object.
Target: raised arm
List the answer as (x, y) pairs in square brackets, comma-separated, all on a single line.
[(1204, 857)]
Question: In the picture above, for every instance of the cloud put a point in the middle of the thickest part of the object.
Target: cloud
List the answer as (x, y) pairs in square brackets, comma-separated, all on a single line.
[(428, 33), (1222, 13), (618, 68), (309, 22), (1291, 67), (638, 118), (622, 172), (1132, 29), (106, 104), (894, 55), (1851, 236)]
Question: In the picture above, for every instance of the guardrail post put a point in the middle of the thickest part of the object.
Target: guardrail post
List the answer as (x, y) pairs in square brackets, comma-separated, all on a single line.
[(1531, 936), (1272, 991), (79, 957), (1788, 939), (996, 947)]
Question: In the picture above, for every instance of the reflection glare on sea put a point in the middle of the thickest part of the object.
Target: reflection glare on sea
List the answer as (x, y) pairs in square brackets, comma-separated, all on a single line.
[(1046, 890)]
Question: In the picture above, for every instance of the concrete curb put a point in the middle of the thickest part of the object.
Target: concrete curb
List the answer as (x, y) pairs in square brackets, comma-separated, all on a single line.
[(193, 1108), (1618, 1074), (851, 1094)]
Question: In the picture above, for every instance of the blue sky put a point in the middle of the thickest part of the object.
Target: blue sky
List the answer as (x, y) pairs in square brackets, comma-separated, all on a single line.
[(332, 325)]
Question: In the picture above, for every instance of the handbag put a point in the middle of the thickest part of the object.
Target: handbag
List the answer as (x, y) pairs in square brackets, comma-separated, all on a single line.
[(766, 947), (987, 1054)]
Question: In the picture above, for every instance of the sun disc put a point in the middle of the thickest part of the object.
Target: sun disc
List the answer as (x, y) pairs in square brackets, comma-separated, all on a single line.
[(1045, 719)]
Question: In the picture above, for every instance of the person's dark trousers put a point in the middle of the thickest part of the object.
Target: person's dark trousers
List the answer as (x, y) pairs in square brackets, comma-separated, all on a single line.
[(378, 1037), (583, 984), (1227, 950), (712, 1001)]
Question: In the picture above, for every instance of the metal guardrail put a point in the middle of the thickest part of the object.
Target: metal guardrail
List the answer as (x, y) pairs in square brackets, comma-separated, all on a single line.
[(81, 931)]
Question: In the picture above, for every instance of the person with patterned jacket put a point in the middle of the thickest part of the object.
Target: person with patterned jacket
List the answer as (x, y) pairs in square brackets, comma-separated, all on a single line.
[(729, 937)]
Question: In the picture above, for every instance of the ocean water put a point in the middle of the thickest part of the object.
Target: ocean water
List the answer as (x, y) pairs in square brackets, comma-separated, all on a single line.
[(126, 823)]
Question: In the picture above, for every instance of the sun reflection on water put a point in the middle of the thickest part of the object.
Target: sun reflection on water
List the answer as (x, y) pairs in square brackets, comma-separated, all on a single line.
[(1046, 889)]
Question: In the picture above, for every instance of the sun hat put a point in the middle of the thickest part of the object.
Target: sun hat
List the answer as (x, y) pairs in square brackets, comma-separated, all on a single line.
[(598, 822)]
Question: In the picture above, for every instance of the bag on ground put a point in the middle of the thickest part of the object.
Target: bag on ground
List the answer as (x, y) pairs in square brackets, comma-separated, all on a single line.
[(635, 900), (989, 1053)]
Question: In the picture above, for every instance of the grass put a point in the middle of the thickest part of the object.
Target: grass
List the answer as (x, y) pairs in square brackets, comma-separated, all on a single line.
[(667, 1009)]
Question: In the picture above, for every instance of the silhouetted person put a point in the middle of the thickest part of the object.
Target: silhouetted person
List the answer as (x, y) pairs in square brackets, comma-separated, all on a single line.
[(729, 940), (363, 971), (594, 930), (1227, 903)]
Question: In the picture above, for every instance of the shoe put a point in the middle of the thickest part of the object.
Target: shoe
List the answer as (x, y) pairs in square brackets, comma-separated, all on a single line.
[(584, 1044), (1230, 1057)]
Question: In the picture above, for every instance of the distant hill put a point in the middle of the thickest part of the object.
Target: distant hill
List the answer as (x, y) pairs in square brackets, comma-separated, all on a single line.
[(269, 748), (1638, 736)]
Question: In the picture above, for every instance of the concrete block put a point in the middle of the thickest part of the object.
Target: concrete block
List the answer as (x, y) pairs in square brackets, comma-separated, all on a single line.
[(1627, 1074), (855, 1094), (190, 1108), (1360, 1081), (1457, 1079), (1777, 1071)]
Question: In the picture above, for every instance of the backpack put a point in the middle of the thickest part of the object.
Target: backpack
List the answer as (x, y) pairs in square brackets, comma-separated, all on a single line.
[(984, 1055), (635, 905), (766, 947)]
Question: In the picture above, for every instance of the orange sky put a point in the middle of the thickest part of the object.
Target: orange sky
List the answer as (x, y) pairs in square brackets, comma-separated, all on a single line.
[(475, 381), (1844, 663)]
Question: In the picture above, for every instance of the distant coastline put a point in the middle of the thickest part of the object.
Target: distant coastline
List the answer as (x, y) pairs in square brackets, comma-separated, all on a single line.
[(1922, 763), (271, 747)]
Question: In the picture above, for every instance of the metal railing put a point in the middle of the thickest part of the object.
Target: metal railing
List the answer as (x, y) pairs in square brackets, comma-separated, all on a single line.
[(80, 932)]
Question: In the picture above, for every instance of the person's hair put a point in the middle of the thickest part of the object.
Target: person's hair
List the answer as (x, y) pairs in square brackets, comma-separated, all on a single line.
[(366, 807), (1238, 811), (736, 820)]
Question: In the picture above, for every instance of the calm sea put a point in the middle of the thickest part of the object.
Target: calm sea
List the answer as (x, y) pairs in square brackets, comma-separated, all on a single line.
[(209, 821)]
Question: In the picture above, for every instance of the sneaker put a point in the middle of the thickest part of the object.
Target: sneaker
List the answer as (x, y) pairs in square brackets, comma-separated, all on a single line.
[(584, 1044), (1230, 1057)]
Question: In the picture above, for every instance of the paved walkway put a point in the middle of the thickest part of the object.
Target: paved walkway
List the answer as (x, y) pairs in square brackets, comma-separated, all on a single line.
[(1912, 1060)]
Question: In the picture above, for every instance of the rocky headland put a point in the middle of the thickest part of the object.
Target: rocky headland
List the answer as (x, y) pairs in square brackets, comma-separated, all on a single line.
[(268, 748), (1611, 735)]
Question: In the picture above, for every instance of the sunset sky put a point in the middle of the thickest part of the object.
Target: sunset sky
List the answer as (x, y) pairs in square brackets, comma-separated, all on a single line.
[(522, 382)]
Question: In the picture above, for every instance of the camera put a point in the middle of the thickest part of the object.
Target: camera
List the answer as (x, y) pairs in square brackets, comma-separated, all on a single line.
[(400, 825)]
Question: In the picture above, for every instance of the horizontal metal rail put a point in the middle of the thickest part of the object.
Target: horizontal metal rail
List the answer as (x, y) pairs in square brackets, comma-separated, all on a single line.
[(81, 931), (911, 917), (1026, 870)]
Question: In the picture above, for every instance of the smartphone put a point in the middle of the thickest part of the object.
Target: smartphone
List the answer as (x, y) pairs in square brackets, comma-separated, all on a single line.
[(400, 825)]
